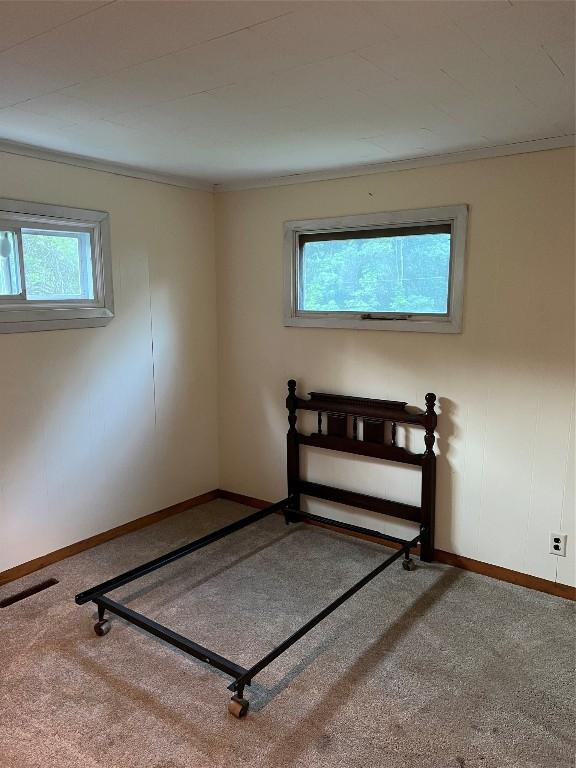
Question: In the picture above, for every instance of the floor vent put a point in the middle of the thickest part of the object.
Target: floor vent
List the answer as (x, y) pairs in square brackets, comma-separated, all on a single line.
[(27, 592)]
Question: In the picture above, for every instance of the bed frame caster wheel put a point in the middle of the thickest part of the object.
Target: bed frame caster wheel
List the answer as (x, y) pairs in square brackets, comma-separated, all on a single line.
[(409, 565), (102, 627), (238, 706)]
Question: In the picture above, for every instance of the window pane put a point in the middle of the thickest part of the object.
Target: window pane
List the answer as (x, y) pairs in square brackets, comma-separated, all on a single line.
[(57, 265), (9, 266), (405, 274)]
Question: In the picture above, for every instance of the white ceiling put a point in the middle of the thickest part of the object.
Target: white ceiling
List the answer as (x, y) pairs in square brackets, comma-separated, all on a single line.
[(231, 91)]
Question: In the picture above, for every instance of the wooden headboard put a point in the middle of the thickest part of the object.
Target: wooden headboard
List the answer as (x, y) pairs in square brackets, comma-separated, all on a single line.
[(365, 427)]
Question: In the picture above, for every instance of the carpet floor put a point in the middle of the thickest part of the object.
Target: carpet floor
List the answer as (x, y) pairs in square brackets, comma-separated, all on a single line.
[(435, 668)]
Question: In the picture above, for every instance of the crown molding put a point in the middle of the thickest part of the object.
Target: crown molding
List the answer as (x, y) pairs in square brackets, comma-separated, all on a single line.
[(105, 166), (344, 172), (388, 166)]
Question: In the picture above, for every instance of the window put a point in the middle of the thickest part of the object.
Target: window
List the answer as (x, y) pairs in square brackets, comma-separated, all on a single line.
[(55, 269), (400, 271)]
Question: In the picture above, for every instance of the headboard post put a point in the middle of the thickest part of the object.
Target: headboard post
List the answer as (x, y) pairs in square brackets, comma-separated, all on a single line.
[(428, 502), (292, 447)]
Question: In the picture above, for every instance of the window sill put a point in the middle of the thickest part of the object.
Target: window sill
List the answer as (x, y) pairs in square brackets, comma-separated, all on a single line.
[(425, 325), (53, 319)]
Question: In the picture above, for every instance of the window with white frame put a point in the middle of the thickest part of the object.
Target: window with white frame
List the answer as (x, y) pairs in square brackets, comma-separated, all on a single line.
[(55, 268), (400, 270)]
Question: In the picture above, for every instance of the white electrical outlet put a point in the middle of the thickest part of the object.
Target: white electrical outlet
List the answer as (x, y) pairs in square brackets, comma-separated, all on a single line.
[(558, 544)]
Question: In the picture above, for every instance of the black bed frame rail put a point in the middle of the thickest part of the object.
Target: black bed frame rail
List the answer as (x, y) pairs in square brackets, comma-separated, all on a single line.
[(339, 410)]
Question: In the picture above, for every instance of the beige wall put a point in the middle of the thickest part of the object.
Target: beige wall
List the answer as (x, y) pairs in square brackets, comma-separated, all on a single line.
[(101, 426), (505, 384)]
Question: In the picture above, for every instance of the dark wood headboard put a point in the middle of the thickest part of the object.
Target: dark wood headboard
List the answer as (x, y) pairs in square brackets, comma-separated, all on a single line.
[(365, 427)]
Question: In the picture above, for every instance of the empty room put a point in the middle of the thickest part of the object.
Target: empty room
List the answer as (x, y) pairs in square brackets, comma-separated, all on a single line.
[(287, 392)]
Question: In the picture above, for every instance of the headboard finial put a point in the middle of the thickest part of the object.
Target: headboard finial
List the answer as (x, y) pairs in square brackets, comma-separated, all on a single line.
[(292, 386), (430, 401), (430, 424)]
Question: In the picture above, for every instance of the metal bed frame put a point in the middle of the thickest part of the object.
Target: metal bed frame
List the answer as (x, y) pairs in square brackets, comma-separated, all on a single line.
[(378, 440)]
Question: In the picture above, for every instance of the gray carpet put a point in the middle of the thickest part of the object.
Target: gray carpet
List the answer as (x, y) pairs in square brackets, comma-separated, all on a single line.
[(436, 668)]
